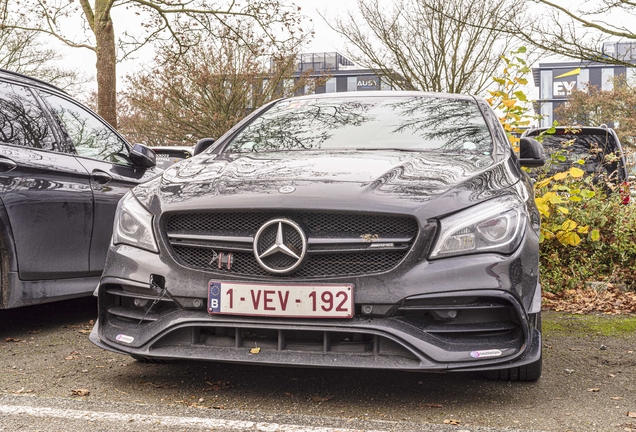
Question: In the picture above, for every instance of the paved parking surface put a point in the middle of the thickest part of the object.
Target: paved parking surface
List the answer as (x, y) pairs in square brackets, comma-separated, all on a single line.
[(47, 366)]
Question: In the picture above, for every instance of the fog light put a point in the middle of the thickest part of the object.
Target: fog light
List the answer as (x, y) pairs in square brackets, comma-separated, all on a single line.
[(140, 303)]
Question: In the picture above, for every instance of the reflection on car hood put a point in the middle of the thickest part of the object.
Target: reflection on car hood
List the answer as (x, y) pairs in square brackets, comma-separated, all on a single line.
[(344, 179)]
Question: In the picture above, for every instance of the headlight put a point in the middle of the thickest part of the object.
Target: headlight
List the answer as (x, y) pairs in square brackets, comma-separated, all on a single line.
[(133, 225), (493, 226)]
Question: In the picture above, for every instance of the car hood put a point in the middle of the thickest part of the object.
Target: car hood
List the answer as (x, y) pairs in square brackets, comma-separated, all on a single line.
[(380, 180)]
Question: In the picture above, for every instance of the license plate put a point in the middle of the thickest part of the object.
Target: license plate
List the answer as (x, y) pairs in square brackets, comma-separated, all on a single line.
[(297, 301)]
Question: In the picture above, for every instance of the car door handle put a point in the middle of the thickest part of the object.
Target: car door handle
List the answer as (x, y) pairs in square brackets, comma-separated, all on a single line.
[(7, 165), (101, 177)]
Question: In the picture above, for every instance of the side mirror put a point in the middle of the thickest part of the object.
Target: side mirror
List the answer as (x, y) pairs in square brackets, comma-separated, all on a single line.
[(202, 145), (531, 153), (143, 156)]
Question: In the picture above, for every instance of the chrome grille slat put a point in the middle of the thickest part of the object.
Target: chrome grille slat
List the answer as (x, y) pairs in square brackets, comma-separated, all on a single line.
[(356, 240), (352, 249), (211, 238)]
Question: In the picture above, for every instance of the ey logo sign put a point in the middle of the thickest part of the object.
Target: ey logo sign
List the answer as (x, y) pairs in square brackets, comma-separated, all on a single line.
[(565, 86)]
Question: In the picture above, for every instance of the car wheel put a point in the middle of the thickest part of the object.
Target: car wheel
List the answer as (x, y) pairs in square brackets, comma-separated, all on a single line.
[(529, 372)]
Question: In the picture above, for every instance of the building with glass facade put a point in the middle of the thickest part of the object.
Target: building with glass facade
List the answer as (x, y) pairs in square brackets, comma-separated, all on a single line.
[(343, 74), (556, 81)]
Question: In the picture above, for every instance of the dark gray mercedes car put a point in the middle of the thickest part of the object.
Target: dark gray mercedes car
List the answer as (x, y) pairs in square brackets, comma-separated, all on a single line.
[(379, 230)]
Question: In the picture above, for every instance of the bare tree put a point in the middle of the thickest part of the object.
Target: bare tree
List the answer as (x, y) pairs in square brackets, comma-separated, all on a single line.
[(179, 23), (579, 30), (21, 51), (204, 92), (433, 45)]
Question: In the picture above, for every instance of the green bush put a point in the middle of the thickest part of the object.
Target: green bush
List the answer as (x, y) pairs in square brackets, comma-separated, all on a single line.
[(587, 234)]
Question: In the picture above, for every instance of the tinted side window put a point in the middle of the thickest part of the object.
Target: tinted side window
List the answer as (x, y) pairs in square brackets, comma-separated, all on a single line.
[(599, 152), (22, 121), (89, 135)]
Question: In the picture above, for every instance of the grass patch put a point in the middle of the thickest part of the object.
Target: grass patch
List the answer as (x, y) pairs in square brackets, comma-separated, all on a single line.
[(562, 324)]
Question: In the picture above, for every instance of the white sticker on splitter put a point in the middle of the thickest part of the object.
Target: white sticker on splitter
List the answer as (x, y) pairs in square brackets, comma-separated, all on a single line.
[(485, 353), (129, 339)]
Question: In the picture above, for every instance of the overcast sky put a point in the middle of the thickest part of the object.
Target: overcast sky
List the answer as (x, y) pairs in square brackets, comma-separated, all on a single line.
[(325, 38)]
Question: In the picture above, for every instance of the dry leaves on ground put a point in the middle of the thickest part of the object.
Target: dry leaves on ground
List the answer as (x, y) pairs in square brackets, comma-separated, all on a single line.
[(161, 386), (80, 392), (74, 355), (433, 405), (219, 385), (581, 301), (317, 398)]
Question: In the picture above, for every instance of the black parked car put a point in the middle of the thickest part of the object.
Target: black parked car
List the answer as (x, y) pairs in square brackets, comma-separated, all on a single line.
[(384, 230), (170, 155), (62, 172), (599, 148)]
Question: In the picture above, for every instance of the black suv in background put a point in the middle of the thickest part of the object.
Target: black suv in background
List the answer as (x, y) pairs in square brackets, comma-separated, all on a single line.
[(599, 147), (62, 172)]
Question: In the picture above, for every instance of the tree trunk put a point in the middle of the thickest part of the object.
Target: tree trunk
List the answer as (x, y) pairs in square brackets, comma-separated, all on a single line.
[(106, 63)]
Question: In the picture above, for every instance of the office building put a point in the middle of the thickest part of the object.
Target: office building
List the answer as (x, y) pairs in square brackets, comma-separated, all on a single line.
[(556, 81)]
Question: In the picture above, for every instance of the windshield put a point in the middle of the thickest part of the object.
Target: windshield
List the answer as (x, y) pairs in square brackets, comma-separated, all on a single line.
[(420, 123)]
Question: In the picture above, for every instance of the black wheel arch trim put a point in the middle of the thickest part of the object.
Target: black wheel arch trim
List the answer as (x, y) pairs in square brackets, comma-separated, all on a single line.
[(8, 257)]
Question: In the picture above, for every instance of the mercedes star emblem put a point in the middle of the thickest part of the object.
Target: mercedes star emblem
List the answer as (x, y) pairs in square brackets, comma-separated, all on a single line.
[(280, 246), (286, 189)]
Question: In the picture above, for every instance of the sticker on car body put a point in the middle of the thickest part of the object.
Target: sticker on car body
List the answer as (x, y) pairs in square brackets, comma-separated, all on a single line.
[(125, 338), (485, 353)]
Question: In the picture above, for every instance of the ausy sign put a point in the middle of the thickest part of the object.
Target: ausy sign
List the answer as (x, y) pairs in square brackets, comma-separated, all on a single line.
[(368, 83)]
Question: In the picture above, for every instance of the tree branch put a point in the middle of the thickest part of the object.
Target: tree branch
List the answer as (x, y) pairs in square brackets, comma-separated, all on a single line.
[(588, 23)]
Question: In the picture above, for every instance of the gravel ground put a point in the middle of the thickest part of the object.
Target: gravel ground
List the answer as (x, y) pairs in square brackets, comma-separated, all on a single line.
[(588, 383)]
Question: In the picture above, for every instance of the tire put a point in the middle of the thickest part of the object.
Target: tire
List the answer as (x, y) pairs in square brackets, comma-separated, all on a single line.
[(529, 372), (141, 359)]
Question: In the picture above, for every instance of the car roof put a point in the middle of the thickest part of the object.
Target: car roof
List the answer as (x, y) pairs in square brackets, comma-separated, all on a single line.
[(578, 130), (383, 93), (25, 79), (172, 148)]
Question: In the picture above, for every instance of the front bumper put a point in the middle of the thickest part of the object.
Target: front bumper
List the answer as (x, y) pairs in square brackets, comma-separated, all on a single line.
[(384, 350), (488, 322), (467, 313)]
